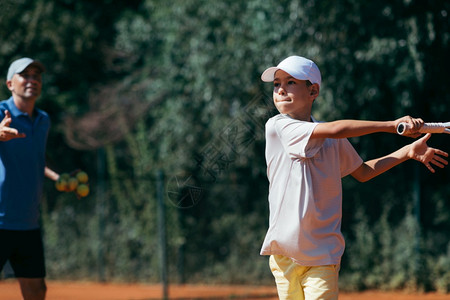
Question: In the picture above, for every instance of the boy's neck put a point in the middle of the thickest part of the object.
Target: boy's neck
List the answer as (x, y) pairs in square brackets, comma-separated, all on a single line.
[(306, 118)]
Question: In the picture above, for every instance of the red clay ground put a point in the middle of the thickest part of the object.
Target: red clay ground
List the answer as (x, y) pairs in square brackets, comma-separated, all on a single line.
[(9, 290)]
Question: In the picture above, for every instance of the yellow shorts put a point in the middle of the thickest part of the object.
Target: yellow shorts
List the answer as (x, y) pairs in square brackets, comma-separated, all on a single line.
[(302, 282)]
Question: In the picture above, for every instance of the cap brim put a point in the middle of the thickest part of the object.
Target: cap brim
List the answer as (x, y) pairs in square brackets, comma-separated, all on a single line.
[(269, 74)]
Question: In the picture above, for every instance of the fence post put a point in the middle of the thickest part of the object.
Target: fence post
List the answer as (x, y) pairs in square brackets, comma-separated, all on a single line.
[(162, 232), (101, 212), (416, 198)]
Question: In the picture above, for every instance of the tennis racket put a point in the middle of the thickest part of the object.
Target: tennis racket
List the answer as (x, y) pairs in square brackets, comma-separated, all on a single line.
[(426, 128)]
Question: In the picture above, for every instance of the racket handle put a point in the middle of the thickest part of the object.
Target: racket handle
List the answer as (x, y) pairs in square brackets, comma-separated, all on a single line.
[(426, 128)]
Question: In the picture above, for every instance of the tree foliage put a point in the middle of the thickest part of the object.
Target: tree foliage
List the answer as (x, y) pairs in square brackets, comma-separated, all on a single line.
[(142, 86)]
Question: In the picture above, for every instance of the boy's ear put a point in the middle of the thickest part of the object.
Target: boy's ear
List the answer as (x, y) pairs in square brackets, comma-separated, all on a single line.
[(315, 90)]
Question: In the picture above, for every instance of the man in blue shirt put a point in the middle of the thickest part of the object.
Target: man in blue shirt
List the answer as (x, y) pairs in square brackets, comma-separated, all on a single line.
[(23, 138)]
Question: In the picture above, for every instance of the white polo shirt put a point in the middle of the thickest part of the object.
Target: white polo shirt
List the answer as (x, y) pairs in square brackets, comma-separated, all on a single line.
[(305, 192)]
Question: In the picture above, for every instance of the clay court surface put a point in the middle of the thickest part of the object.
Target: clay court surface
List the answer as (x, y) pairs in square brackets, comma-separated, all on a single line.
[(9, 290)]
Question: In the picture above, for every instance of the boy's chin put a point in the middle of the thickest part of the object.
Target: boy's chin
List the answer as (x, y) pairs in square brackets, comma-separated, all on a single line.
[(283, 110)]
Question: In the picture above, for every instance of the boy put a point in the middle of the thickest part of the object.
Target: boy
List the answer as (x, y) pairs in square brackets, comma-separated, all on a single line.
[(305, 163)]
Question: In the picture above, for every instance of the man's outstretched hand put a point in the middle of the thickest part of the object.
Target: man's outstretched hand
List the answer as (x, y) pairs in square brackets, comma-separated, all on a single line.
[(7, 133)]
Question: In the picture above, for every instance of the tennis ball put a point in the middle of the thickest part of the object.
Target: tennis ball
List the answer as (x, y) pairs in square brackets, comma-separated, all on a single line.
[(82, 177), (72, 184), (83, 190), (61, 184), (64, 176)]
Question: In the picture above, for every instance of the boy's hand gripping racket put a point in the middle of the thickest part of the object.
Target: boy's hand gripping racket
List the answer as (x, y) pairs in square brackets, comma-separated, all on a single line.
[(426, 128)]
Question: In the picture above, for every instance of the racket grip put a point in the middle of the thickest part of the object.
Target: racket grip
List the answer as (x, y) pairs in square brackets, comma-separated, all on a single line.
[(402, 127), (426, 128)]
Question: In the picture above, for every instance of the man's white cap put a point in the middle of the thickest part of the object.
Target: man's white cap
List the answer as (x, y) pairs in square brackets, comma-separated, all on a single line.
[(298, 67), (21, 64)]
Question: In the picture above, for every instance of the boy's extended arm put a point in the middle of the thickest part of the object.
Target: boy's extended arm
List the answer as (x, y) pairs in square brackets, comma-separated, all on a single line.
[(417, 150), (354, 128)]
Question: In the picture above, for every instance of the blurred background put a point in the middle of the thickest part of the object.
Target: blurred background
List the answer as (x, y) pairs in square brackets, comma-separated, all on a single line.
[(161, 103)]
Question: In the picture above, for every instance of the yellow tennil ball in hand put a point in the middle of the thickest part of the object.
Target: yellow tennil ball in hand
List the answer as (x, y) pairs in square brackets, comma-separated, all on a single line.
[(60, 185), (72, 184), (82, 177), (83, 190)]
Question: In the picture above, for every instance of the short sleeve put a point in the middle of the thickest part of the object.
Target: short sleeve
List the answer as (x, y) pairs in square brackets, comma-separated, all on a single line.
[(295, 137), (348, 157)]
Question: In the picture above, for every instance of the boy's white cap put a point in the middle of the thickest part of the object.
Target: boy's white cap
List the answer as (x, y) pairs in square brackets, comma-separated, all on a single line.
[(298, 67)]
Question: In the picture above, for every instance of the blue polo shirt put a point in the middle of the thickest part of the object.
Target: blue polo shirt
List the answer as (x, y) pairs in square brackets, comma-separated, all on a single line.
[(22, 165)]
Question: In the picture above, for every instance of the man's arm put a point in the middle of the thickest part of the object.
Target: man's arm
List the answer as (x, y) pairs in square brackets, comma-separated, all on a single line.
[(417, 150), (354, 128)]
